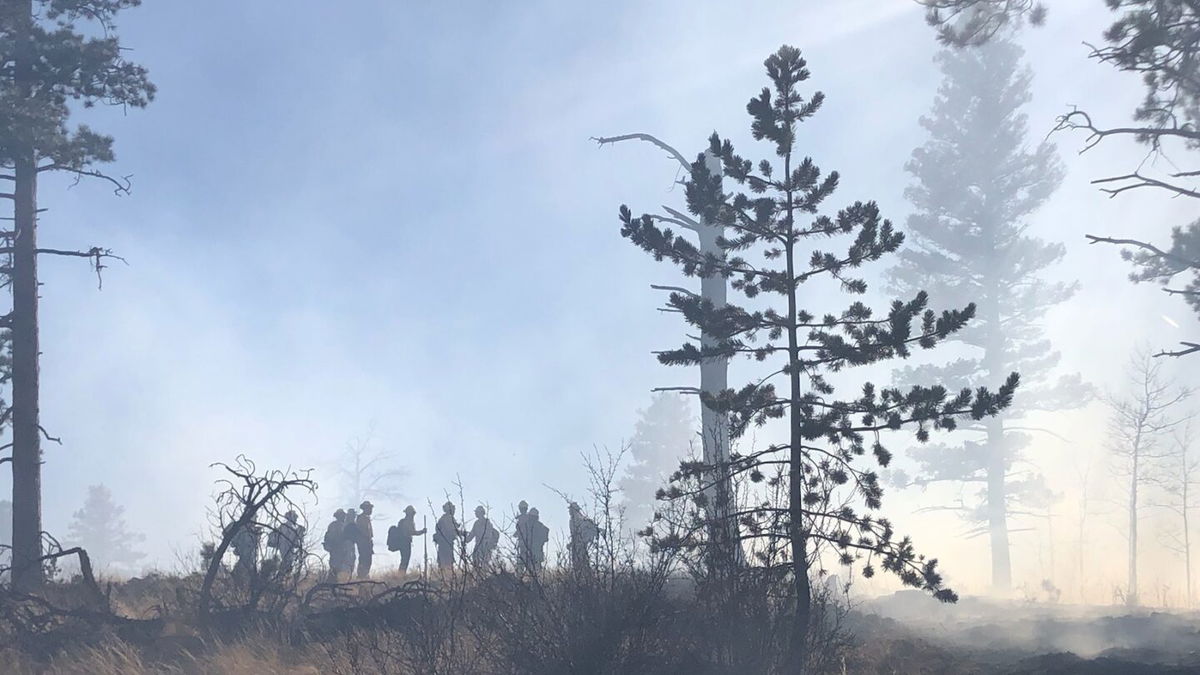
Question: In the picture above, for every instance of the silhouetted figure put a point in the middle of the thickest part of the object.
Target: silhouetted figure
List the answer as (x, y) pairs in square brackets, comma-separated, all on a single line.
[(485, 535), (335, 533), (350, 542), (245, 547), (366, 540), (287, 540), (444, 536), (521, 531), (406, 529), (539, 534), (583, 533)]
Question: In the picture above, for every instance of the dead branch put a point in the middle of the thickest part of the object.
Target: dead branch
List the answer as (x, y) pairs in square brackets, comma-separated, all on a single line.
[(678, 156), (1137, 180), (52, 439), (1080, 120), (674, 289), (1158, 252), (1189, 348), (121, 186)]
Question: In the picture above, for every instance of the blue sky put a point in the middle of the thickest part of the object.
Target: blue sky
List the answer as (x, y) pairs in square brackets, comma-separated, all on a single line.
[(385, 213)]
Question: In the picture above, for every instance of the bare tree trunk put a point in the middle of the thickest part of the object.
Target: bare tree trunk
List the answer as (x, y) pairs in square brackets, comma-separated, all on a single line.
[(1131, 598), (997, 460), (1187, 544), (997, 507), (26, 451), (714, 426)]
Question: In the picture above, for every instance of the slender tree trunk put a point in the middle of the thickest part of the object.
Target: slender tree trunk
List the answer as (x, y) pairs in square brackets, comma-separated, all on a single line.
[(714, 426), (26, 451), (797, 533), (997, 506), (1187, 545), (1081, 577), (1132, 597), (997, 450)]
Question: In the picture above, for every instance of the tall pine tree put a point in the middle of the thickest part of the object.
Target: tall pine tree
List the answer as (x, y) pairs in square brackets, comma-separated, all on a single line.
[(976, 184), (55, 54), (775, 245), (664, 438), (99, 528)]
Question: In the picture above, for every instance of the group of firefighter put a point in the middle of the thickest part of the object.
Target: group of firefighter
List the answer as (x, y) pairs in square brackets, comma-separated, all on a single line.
[(350, 538)]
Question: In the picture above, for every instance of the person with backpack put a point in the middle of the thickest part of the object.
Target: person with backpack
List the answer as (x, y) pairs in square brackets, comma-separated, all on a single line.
[(539, 534), (485, 535), (583, 533), (523, 539), (349, 543), (287, 539), (244, 543), (366, 540), (400, 536), (332, 542), (445, 534)]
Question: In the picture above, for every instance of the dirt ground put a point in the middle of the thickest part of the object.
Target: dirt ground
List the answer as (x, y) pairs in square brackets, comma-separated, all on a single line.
[(910, 633)]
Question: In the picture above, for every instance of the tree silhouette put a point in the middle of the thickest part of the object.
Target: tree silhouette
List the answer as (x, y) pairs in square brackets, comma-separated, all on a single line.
[(368, 474), (1178, 478), (1159, 41), (976, 184), (819, 464), (714, 371), (99, 528), (969, 23), (1140, 422), (56, 53), (664, 437)]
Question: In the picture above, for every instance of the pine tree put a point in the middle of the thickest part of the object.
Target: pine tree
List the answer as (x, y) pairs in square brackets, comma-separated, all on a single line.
[(55, 53), (99, 528), (664, 438), (976, 184), (965, 23), (775, 215), (1159, 42)]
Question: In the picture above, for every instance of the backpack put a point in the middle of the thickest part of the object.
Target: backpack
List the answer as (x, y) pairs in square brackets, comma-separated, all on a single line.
[(332, 536), (273, 539), (393, 538), (351, 533)]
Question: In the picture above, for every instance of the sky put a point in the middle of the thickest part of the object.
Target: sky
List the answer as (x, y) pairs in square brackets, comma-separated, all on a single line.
[(390, 218)]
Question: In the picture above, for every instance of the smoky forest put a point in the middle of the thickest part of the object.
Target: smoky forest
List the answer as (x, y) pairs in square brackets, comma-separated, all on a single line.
[(776, 336)]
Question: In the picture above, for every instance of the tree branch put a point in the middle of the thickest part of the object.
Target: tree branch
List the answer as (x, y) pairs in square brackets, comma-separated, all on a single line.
[(1189, 348), (120, 186), (606, 140), (1193, 264)]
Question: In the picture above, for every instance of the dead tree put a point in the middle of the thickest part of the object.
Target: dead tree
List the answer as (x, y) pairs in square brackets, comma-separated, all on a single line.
[(249, 499), (1139, 424), (714, 371), (1178, 479), (369, 474)]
